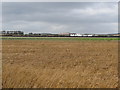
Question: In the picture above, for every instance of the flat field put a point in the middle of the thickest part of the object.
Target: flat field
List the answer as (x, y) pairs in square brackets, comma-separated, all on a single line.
[(60, 63)]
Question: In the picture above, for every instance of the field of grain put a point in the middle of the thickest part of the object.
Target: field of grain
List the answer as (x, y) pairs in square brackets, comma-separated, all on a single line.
[(0, 64), (60, 64)]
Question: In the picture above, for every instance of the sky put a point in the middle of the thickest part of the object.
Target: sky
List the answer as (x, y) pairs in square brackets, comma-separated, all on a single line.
[(60, 17)]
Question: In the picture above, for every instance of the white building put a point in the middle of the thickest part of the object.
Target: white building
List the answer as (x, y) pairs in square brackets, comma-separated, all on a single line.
[(78, 35), (90, 35), (75, 34), (72, 34)]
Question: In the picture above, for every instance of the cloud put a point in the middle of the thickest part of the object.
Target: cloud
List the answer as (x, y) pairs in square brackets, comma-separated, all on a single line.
[(0, 16), (54, 17), (60, 0)]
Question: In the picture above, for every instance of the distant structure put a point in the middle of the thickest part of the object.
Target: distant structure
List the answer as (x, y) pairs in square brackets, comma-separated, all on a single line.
[(21, 33), (72, 34), (11, 33), (64, 34), (80, 35)]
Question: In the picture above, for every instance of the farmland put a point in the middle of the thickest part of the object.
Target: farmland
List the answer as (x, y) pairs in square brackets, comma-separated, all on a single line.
[(60, 62)]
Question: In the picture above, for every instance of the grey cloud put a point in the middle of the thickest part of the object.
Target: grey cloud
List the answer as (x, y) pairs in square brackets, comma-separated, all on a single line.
[(56, 17)]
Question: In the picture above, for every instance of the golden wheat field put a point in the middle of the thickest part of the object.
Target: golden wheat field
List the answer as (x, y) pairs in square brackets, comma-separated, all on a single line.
[(59, 64)]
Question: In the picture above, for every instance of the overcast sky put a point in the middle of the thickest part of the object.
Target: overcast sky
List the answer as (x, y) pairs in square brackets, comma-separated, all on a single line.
[(59, 17)]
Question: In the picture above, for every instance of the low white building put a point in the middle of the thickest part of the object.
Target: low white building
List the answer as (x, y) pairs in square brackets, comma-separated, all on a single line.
[(90, 35), (78, 35), (84, 35), (75, 34), (72, 34)]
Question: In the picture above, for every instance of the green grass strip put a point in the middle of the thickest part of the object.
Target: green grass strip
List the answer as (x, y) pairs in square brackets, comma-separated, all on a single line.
[(58, 38)]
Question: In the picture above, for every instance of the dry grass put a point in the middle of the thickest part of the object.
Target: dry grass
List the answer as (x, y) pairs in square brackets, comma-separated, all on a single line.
[(0, 64), (60, 64)]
